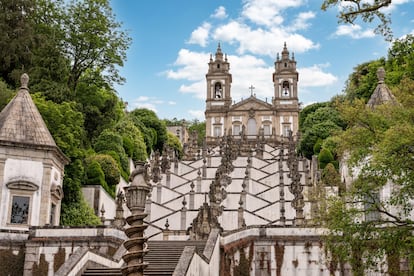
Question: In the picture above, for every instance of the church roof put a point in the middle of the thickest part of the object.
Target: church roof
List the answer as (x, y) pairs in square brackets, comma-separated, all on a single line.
[(382, 94), (21, 122), (251, 102)]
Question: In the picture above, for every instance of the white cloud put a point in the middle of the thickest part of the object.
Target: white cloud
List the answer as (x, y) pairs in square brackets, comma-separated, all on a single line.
[(200, 35), (354, 31), (314, 76), (394, 5), (142, 99), (172, 103), (260, 41), (220, 13), (138, 104), (146, 102), (192, 65), (199, 114), (246, 70), (267, 12), (301, 22)]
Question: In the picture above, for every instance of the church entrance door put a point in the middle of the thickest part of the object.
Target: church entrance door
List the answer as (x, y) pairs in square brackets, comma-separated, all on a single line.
[(251, 128)]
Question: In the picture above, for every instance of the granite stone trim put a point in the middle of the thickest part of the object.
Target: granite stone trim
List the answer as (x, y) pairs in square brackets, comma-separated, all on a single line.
[(72, 261), (184, 261), (211, 243)]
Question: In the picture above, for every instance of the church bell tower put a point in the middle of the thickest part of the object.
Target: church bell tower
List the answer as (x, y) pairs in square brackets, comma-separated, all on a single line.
[(218, 98), (285, 100)]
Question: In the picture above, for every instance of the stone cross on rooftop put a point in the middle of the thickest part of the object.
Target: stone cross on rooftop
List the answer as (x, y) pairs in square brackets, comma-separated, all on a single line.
[(251, 89)]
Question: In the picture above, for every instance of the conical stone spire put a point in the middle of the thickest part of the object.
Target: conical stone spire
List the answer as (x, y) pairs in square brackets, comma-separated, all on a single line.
[(21, 122), (382, 94)]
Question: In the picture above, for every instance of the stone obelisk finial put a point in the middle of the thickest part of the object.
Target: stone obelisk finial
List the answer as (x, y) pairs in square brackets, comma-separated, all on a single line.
[(24, 81)]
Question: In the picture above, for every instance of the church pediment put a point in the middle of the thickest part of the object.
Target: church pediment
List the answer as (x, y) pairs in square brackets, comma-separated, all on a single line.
[(251, 103)]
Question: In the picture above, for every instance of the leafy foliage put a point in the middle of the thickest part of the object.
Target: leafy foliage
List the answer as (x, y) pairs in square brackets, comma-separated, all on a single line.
[(368, 11), (199, 128), (110, 141), (108, 166), (174, 143), (17, 39), (93, 40), (5, 94), (78, 213), (363, 224), (133, 140), (153, 129), (362, 82), (325, 157)]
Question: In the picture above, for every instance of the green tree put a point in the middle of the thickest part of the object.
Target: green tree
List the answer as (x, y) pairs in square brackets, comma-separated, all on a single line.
[(17, 38), (362, 82), (50, 67), (110, 169), (100, 105), (94, 40), (94, 174), (174, 143), (78, 214), (325, 157), (110, 142), (365, 228), (318, 131), (6, 94), (133, 140), (308, 110), (153, 129), (368, 11), (200, 128), (400, 60)]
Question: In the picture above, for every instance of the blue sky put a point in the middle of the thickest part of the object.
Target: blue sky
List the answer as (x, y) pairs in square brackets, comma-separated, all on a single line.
[(172, 41)]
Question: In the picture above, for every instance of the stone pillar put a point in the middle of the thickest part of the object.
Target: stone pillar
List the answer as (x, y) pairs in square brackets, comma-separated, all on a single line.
[(119, 220), (240, 218), (2, 164), (183, 215), (159, 189), (198, 187), (192, 196), (168, 179), (45, 196), (176, 164), (204, 168), (136, 246)]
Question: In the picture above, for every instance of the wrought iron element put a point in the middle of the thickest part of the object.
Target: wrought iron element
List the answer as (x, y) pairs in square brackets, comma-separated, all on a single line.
[(136, 196)]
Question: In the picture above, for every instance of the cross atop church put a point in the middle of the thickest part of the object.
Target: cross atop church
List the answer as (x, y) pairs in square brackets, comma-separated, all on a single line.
[(251, 89)]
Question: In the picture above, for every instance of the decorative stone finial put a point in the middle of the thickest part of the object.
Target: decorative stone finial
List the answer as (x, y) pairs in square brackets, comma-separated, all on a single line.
[(24, 81), (381, 74)]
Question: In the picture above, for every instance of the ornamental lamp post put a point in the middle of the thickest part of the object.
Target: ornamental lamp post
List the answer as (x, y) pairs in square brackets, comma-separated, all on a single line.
[(136, 196)]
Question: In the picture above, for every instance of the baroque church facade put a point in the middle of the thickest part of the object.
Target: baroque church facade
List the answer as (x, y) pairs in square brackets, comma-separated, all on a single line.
[(252, 117)]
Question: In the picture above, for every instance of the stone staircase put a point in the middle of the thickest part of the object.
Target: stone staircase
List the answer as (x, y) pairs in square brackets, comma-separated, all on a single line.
[(162, 258)]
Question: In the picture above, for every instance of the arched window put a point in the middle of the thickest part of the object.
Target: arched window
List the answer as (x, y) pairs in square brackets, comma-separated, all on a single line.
[(218, 91), (285, 89)]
